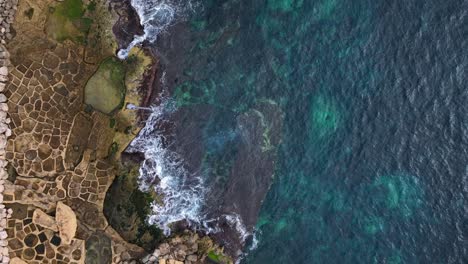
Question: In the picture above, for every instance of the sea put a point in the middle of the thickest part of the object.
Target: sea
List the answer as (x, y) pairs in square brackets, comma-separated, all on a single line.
[(316, 131)]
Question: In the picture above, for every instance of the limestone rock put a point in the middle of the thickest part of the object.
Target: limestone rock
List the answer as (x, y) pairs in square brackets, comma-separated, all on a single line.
[(4, 70), (192, 258), (17, 261), (3, 107), (44, 220), (66, 222), (164, 249)]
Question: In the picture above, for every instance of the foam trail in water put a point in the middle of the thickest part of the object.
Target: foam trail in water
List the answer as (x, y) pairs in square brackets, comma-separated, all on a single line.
[(235, 221), (182, 193), (155, 16)]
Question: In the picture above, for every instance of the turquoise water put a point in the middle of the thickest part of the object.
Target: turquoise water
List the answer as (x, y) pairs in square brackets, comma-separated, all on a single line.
[(371, 163)]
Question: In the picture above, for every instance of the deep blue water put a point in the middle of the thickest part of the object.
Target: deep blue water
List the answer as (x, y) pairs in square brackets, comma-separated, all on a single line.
[(372, 165)]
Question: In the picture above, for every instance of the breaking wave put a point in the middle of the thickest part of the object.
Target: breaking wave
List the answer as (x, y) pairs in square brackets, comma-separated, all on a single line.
[(163, 170), (155, 16), (182, 193)]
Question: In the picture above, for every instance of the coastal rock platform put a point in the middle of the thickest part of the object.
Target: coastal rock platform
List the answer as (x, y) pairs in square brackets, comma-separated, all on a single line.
[(59, 163), (58, 154)]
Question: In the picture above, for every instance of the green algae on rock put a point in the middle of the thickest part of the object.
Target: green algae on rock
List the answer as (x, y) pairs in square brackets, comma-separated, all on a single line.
[(202, 92), (399, 192), (325, 117), (284, 5), (67, 21), (218, 257), (105, 90), (126, 208), (372, 224), (98, 249)]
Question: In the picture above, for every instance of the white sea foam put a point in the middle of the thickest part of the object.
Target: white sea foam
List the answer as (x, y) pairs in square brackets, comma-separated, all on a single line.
[(162, 169), (235, 221), (182, 192), (155, 16)]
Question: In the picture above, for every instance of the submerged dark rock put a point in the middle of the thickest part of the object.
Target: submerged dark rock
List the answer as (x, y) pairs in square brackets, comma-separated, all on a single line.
[(246, 163), (128, 24), (239, 180), (250, 178)]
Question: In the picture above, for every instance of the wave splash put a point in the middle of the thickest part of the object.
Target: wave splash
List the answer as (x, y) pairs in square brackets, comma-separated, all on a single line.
[(155, 16), (162, 169), (183, 193)]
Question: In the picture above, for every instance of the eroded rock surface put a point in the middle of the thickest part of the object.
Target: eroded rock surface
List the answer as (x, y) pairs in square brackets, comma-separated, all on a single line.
[(60, 156), (42, 219), (66, 222), (247, 186), (98, 249)]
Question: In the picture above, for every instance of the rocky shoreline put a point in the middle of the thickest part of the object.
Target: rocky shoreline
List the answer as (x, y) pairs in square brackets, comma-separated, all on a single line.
[(60, 151)]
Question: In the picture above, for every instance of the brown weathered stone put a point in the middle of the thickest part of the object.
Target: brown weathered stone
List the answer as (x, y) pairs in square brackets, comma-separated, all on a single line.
[(28, 108), (20, 235), (23, 100), (31, 240), (37, 167), (45, 105), (37, 105), (62, 52), (15, 244), (48, 165), (61, 194), (31, 154), (50, 254), (74, 192), (78, 140), (55, 142), (44, 151), (34, 114), (61, 89), (51, 61), (29, 124), (22, 142), (86, 184), (77, 254), (59, 164)]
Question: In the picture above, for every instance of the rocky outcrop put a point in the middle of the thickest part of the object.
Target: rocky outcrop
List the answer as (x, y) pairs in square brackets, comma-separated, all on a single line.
[(53, 156), (188, 248), (42, 219), (17, 261), (66, 222)]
